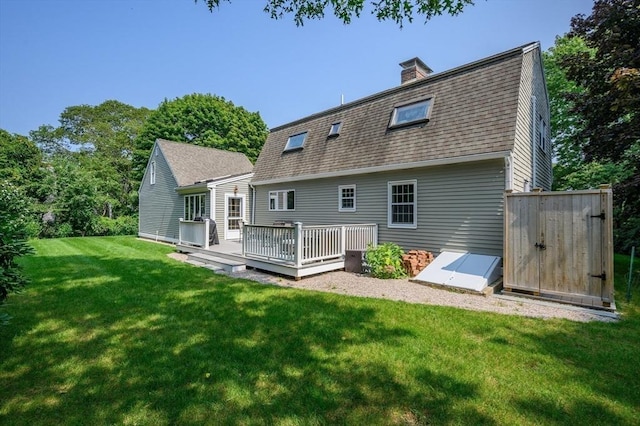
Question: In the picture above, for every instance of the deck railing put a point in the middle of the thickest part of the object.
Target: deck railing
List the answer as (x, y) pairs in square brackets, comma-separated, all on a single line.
[(194, 233), (300, 245)]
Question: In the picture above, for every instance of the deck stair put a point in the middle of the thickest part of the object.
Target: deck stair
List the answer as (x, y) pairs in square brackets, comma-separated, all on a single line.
[(226, 263)]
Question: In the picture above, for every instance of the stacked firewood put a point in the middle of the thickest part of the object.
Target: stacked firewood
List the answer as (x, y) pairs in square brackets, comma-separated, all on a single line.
[(416, 260)]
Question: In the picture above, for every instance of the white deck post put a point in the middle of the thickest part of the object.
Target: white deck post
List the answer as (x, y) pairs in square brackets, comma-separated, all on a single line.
[(343, 240), (206, 234), (180, 231), (298, 241), (375, 235)]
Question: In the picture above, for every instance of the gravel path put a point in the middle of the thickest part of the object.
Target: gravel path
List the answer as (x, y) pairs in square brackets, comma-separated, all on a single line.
[(403, 290)]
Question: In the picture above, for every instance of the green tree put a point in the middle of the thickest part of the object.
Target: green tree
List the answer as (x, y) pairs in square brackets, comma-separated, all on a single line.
[(345, 10), (607, 107), (77, 198), (565, 124), (14, 207), (93, 144), (20, 162), (50, 140), (201, 119), (107, 131)]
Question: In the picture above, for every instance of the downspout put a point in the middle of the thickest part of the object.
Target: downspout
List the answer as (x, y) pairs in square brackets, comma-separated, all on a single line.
[(253, 204), (213, 203), (534, 180)]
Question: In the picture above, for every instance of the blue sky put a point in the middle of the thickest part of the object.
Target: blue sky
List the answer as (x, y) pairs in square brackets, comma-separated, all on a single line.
[(60, 53)]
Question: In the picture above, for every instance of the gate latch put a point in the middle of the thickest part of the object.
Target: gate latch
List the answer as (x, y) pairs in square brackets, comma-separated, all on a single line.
[(601, 216), (541, 246), (602, 276)]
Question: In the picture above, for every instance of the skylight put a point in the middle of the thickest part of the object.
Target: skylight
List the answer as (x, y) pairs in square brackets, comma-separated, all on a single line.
[(296, 141), (412, 113), (335, 129)]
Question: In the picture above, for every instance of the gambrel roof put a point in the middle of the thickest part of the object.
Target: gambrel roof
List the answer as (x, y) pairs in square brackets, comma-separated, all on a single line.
[(191, 163), (473, 112)]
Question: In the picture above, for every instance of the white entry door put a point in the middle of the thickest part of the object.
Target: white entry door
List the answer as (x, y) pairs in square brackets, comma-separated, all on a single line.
[(233, 215)]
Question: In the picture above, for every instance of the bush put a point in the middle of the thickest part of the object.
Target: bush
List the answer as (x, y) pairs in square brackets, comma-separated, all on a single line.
[(385, 261), (124, 225), (14, 212)]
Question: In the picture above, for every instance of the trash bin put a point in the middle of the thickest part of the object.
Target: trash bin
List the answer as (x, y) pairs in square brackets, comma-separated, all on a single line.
[(353, 261)]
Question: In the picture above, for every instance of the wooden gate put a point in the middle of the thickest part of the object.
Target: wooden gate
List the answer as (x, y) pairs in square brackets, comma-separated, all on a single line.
[(559, 245)]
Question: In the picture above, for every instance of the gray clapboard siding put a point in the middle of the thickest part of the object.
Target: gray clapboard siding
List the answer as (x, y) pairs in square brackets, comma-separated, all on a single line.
[(543, 157), (531, 84), (459, 206), (160, 206)]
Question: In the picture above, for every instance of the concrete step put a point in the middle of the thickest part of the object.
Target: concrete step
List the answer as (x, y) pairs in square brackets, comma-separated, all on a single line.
[(212, 262)]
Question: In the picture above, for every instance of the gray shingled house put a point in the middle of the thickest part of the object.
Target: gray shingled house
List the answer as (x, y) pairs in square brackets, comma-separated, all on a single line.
[(427, 161), (184, 184)]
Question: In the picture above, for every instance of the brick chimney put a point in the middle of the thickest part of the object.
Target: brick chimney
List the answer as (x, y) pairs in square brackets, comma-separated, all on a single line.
[(413, 69)]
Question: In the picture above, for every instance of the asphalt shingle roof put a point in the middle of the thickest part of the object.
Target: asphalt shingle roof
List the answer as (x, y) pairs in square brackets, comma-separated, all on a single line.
[(191, 163), (474, 112)]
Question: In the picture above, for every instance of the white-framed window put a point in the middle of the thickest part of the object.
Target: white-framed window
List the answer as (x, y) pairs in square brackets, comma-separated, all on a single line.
[(194, 206), (296, 141), (402, 204), (152, 173), (335, 129), (541, 133), (347, 198), (282, 200), (411, 114)]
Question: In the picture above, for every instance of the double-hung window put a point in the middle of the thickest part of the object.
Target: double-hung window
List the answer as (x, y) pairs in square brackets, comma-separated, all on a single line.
[(194, 206), (282, 200), (347, 198), (402, 204)]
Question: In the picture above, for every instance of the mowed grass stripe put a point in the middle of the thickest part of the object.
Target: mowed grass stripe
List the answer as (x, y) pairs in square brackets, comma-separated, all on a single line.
[(111, 330)]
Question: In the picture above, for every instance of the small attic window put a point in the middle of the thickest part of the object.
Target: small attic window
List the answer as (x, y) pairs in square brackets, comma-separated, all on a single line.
[(296, 141), (411, 114), (335, 129)]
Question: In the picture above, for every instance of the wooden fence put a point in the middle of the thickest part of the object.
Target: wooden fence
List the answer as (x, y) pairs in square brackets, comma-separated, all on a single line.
[(560, 245)]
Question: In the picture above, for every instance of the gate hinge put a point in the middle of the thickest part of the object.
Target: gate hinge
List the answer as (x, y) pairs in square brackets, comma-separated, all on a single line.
[(601, 216), (602, 276)]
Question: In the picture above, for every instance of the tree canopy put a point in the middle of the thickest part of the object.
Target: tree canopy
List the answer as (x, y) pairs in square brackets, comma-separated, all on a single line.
[(205, 120), (594, 79), (397, 11)]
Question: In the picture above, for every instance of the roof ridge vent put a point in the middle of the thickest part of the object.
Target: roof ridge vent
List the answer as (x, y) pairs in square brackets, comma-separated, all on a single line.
[(413, 69)]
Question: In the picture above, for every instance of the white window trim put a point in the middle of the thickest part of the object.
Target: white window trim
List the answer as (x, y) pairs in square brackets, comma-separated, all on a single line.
[(152, 174), (203, 208), (278, 207), (243, 215), (390, 185), (340, 198)]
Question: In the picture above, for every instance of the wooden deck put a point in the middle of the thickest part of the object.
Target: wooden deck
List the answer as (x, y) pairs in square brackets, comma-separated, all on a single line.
[(230, 252), (297, 251)]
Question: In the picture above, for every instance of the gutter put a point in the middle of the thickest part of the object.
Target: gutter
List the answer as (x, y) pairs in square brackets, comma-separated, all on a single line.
[(253, 204)]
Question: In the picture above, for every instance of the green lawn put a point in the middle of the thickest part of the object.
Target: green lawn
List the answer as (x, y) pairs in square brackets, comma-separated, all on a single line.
[(112, 331)]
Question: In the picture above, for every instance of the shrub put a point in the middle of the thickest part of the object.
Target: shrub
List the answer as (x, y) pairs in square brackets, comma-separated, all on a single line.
[(123, 225), (14, 212), (385, 261)]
